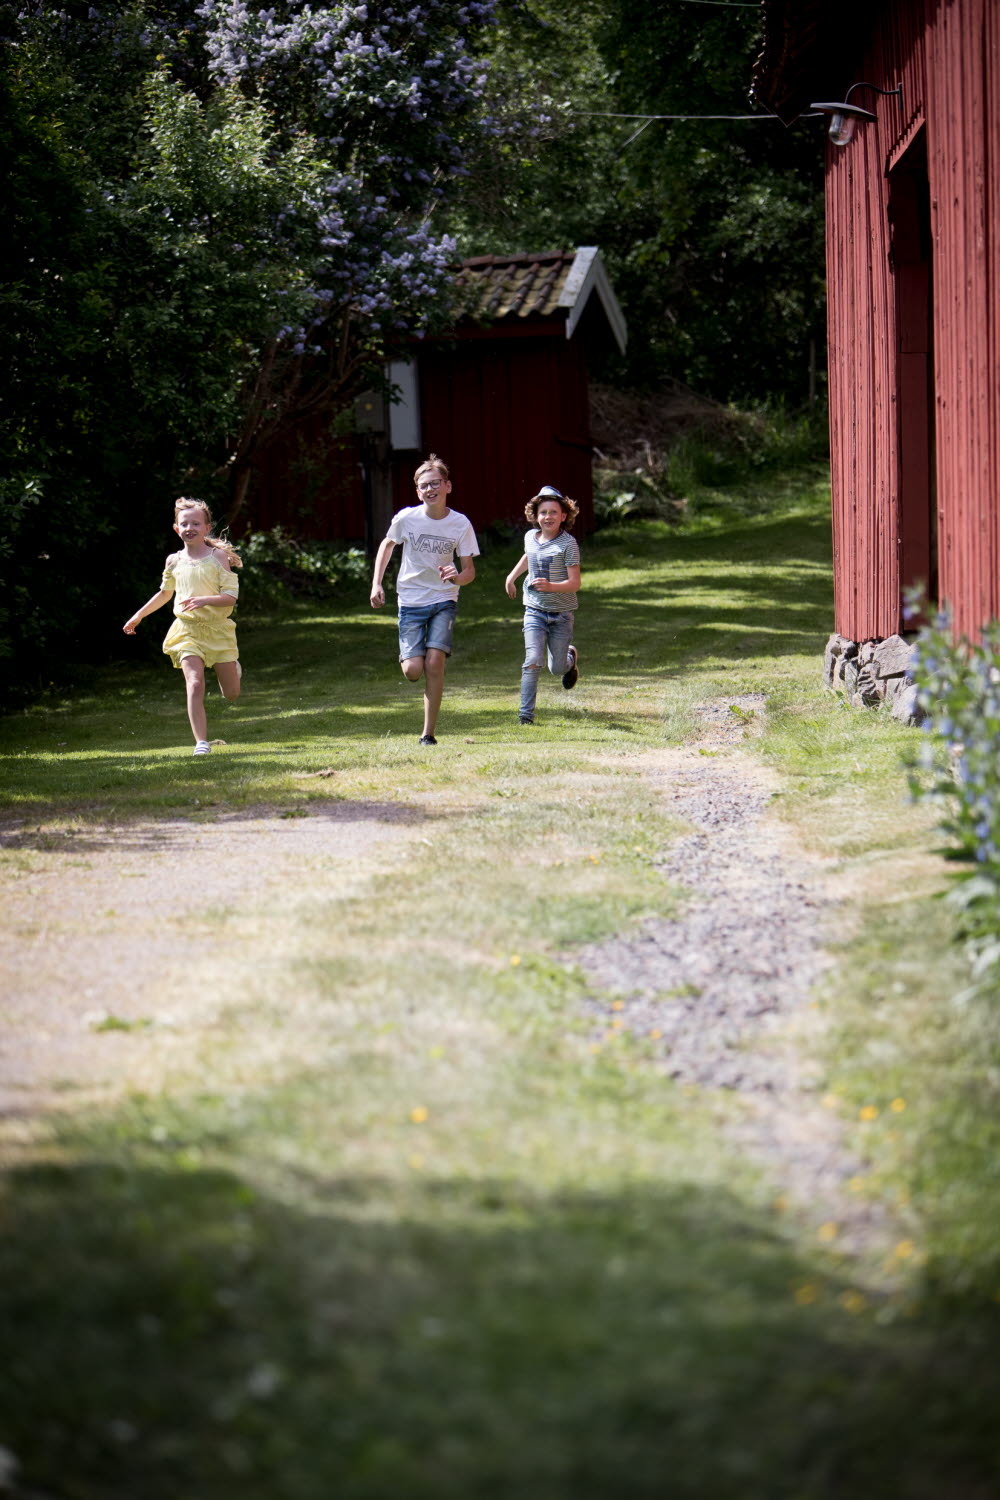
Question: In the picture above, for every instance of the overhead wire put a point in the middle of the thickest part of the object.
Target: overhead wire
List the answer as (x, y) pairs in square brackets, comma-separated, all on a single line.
[(614, 114)]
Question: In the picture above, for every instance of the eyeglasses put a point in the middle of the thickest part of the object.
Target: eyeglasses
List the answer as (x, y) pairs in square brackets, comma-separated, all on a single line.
[(430, 484)]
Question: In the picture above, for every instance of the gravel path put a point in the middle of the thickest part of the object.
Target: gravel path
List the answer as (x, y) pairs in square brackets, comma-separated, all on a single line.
[(727, 990)]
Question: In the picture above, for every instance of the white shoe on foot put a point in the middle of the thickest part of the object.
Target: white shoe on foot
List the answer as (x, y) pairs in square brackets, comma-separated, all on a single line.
[(202, 748)]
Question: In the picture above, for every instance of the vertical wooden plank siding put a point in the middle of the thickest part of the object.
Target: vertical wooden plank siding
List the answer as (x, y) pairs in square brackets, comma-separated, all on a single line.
[(862, 335), (946, 53), (497, 411), (991, 56), (963, 104)]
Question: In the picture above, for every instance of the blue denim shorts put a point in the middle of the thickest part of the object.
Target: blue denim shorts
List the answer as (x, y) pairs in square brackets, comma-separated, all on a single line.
[(426, 627)]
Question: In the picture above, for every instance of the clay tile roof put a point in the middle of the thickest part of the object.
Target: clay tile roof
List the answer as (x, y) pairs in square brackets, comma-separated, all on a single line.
[(515, 286), (556, 285)]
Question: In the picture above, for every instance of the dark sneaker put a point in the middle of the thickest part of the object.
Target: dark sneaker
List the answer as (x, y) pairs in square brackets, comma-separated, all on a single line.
[(525, 719), (572, 672), (427, 739)]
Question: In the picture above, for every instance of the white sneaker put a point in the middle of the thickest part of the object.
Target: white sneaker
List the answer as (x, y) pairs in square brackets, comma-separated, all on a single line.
[(202, 748)]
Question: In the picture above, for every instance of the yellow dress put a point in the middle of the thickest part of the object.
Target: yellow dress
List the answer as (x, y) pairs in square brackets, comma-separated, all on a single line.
[(207, 632)]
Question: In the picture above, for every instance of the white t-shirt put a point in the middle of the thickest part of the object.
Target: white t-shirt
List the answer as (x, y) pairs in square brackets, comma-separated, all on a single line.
[(428, 545)]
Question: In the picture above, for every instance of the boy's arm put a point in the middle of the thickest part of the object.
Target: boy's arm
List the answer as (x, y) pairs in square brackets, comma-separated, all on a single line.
[(569, 585), (450, 574), (382, 556), (158, 600), (514, 574)]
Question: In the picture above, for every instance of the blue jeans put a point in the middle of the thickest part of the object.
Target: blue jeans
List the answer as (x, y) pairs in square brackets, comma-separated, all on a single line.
[(545, 630), (426, 627)]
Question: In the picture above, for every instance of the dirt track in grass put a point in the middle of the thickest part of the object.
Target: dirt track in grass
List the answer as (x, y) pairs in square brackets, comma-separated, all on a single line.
[(114, 931)]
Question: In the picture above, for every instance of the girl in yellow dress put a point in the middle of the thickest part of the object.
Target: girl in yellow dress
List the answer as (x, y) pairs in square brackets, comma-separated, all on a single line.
[(204, 588)]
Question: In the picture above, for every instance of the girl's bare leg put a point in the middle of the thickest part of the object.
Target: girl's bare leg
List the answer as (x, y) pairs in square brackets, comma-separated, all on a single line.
[(194, 680), (229, 679)]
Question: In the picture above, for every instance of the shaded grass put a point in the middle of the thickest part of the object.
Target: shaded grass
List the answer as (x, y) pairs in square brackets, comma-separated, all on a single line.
[(490, 1339), (408, 1223)]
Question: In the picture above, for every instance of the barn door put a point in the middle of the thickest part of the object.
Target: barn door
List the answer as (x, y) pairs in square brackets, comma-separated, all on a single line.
[(912, 270)]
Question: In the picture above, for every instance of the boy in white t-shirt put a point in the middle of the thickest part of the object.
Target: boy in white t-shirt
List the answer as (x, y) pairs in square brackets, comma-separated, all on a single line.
[(428, 581)]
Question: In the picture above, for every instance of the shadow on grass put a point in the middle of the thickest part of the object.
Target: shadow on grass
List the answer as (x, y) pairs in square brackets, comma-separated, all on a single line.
[(175, 1332), (144, 831), (264, 740), (327, 683)]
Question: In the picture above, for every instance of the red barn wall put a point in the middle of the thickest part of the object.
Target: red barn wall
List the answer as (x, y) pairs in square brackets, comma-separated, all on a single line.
[(507, 410), (963, 104), (507, 414), (947, 57)]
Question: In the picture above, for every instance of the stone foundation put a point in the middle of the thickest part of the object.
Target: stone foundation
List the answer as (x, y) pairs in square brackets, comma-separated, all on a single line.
[(873, 672)]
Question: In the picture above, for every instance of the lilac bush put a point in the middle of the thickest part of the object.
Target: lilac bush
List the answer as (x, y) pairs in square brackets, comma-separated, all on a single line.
[(958, 767), (220, 215), (267, 181)]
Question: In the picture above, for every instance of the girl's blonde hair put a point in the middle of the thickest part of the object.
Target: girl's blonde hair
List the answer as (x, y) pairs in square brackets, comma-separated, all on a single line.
[(569, 507), (221, 542), (433, 462)]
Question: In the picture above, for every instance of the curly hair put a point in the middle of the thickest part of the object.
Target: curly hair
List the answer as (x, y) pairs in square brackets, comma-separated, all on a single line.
[(569, 507)]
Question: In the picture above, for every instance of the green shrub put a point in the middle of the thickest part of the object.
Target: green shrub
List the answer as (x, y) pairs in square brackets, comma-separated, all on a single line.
[(958, 766), (278, 567), (718, 447)]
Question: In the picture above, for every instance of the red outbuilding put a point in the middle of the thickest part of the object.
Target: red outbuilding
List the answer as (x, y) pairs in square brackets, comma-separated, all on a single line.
[(502, 398), (913, 263)]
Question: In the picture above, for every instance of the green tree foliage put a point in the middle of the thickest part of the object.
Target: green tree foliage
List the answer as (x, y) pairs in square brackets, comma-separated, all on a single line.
[(218, 217), (712, 230)]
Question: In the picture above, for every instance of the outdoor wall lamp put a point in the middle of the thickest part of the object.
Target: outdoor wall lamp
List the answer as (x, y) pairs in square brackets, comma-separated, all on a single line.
[(844, 116)]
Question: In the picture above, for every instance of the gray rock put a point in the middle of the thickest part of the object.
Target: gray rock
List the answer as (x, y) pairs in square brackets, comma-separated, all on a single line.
[(837, 648), (905, 706), (867, 691), (848, 676), (892, 656)]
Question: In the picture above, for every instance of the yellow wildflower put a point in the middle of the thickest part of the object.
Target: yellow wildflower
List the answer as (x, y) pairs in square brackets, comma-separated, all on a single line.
[(515, 959), (827, 1232), (418, 1115), (868, 1112), (897, 1106)]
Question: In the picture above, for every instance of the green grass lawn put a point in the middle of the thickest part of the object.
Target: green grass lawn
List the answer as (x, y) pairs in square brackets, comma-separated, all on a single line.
[(401, 1228)]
